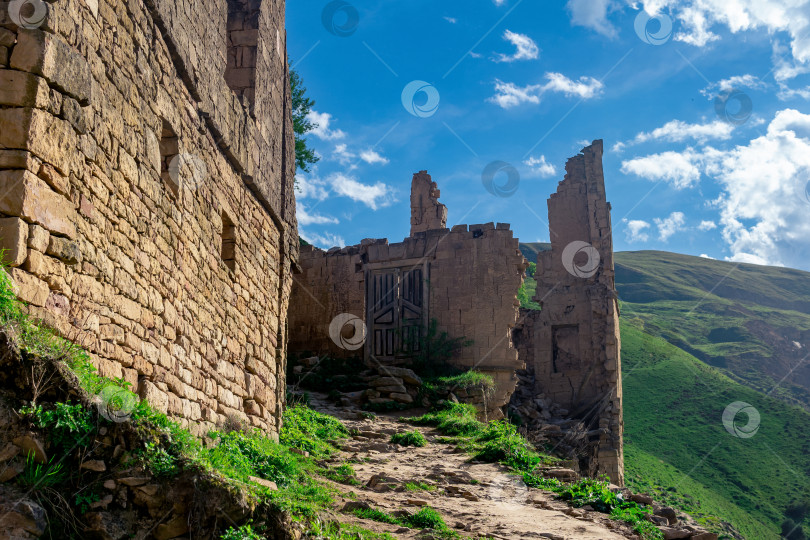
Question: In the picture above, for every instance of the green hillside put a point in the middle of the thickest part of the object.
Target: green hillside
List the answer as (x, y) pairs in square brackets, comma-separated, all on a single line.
[(752, 322), (675, 439)]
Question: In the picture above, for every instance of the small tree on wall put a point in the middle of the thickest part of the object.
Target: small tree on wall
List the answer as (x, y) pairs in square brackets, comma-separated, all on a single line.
[(301, 107), (432, 350)]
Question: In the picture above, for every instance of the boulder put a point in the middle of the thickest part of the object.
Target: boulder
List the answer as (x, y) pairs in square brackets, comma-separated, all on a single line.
[(31, 445), (387, 381)]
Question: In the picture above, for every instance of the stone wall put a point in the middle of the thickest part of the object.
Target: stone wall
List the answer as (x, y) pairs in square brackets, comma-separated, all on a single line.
[(470, 276), (572, 346), (147, 207)]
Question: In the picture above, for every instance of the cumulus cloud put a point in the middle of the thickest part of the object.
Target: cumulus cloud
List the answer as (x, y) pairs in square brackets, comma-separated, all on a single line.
[(707, 226), (372, 157), (636, 230), (670, 225), (527, 49), (451, 20), (696, 19), (305, 218), (540, 167), (678, 131), (309, 186), (734, 82), (324, 241), (680, 169), (374, 196), (321, 129), (764, 202), (508, 95), (592, 14)]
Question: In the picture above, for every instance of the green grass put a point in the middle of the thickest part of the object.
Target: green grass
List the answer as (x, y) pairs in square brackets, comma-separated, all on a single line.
[(419, 486), (677, 448), (425, 518), (409, 438)]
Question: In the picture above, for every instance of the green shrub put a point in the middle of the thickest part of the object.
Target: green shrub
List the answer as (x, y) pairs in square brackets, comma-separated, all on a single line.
[(245, 532), (631, 513), (503, 444), (67, 425), (409, 438)]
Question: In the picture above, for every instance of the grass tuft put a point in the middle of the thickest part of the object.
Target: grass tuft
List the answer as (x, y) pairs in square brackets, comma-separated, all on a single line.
[(409, 438)]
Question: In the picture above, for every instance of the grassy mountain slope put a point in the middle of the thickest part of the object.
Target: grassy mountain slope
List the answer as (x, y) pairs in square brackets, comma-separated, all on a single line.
[(751, 321), (676, 439)]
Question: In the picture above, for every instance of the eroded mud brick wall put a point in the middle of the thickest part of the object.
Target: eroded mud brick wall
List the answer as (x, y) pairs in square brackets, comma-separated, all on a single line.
[(573, 344), (146, 193), (469, 278)]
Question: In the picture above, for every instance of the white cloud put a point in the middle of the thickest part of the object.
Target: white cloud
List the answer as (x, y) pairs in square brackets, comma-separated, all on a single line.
[(374, 196), (592, 14), (305, 218), (451, 20), (698, 17), (678, 168), (764, 202), (707, 225), (703, 255), (540, 167), (527, 49), (585, 87), (509, 95), (678, 131), (372, 157), (734, 82), (342, 154), (499, 2), (324, 241), (669, 226), (309, 186), (321, 130), (637, 230)]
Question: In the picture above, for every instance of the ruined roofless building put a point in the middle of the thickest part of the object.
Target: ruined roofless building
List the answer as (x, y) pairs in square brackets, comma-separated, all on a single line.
[(466, 278), (146, 193)]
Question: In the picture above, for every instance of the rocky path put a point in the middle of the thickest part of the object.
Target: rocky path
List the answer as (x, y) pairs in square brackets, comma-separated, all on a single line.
[(479, 500)]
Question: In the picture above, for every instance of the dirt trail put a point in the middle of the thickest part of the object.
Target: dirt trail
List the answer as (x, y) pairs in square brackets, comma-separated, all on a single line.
[(479, 500)]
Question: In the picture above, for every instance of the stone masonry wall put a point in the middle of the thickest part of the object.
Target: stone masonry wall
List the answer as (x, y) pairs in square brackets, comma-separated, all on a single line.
[(147, 211), (473, 275), (572, 346)]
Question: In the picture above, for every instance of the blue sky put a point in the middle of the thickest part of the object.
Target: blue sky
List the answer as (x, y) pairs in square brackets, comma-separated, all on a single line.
[(704, 107)]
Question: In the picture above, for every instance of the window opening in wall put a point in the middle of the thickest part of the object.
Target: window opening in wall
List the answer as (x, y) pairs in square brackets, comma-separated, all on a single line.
[(228, 242), (242, 47), (168, 150)]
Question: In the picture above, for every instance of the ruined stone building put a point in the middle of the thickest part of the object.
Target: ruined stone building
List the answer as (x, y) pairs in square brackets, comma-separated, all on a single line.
[(572, 345), (466, 278), (146, 193), (365, 300)]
